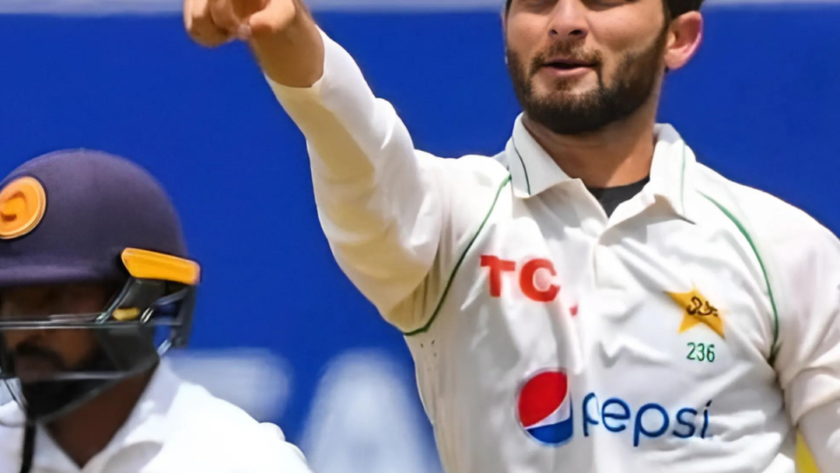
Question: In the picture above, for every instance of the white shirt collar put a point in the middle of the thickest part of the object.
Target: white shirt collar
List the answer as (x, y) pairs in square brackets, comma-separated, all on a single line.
[(533, 170), (147, 423)]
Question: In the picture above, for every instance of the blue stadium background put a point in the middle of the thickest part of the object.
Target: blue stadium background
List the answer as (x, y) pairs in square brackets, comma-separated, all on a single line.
[(761, 103)]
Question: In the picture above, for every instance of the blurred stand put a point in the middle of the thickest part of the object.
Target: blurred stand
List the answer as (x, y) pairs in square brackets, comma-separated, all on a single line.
[(256, 380), (363, 419)]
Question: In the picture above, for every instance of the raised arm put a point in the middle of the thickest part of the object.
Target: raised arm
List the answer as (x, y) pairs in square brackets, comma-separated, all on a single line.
[(379, 201)]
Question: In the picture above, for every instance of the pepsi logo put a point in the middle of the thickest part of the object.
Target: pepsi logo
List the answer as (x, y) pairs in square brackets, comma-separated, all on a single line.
[(544, 408)]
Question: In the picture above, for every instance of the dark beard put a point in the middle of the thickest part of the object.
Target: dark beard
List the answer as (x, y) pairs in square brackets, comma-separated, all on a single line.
[(591, 111), (44, 398)]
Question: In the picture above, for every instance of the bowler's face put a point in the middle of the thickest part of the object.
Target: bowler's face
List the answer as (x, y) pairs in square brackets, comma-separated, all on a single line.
[(569, 48), (578, 66)]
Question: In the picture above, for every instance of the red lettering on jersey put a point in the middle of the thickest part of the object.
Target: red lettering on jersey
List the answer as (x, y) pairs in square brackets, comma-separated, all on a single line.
[(526, 280), (497, 266)]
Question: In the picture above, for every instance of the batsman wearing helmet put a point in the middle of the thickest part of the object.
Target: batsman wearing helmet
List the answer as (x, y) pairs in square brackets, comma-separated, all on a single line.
[(95, 286)]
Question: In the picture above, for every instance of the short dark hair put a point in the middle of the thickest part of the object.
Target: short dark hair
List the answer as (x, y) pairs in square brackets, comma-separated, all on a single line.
[(673, 8)]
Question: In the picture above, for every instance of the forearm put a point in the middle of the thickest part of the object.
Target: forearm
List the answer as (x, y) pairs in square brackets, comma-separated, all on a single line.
[(379, 204)]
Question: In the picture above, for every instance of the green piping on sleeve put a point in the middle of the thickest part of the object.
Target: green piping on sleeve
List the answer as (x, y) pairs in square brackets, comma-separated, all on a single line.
[(774, 348), (425, 328)]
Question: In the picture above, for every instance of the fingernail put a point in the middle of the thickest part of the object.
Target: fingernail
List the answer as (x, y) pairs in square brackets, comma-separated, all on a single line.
[(244, 32)]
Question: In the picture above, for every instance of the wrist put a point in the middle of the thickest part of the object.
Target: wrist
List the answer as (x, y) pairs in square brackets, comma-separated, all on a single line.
[(293, 57)]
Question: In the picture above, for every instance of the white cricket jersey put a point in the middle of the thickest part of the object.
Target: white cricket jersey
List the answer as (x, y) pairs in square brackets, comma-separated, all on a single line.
[(689, 332), (176, 427)]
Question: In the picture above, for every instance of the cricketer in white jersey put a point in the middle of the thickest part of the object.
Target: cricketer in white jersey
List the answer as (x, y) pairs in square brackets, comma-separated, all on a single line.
[(683, 324), (691, 331)]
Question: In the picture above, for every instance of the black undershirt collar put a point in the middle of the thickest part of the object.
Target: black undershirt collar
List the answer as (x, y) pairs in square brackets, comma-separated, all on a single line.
[(611, 197)]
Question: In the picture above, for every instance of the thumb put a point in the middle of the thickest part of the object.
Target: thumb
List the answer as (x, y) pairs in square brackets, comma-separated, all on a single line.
[(274, 17)]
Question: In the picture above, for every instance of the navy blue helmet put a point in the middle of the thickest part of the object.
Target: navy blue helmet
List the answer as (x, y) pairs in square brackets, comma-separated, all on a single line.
[(83, 216)]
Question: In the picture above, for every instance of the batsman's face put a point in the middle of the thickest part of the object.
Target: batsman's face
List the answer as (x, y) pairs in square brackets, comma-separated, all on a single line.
[(578, 65), (39, 353)]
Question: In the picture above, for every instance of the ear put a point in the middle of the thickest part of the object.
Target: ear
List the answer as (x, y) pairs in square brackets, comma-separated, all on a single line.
[(684, 38)]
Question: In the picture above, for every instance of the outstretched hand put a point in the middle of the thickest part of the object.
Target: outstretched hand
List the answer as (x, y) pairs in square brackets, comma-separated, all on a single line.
[(282, 34)]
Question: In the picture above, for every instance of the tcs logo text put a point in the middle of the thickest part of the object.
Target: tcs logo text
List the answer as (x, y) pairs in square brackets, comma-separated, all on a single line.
[(535, 277)]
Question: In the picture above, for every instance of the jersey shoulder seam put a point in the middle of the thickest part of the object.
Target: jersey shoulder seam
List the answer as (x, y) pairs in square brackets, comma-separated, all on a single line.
[(425, 328)]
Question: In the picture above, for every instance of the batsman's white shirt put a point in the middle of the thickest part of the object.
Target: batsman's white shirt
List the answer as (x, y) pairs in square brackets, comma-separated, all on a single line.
[(689, 332), (176, 427)]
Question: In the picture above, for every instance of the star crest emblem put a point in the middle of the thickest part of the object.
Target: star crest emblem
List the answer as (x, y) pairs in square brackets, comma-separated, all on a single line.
[(697, 310)]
